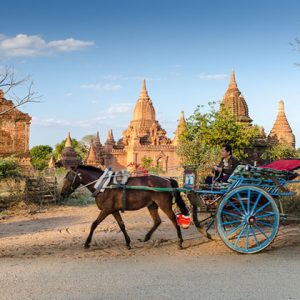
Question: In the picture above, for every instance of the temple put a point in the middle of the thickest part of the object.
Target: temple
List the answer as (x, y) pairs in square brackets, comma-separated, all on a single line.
[(281, 130), (69, 157), (14, 133), (144, 137), (234, 102)]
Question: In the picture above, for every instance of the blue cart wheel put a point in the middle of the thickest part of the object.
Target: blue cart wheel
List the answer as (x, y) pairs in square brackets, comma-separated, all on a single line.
[(247, 219)]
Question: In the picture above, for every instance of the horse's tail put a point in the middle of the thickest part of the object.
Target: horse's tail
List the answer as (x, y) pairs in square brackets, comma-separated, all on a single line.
[(178, 199)]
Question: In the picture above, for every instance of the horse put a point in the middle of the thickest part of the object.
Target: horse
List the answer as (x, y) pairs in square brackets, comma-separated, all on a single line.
[(111, 201)]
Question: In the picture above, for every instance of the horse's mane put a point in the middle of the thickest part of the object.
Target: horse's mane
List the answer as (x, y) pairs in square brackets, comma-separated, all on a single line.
[(89, 168)]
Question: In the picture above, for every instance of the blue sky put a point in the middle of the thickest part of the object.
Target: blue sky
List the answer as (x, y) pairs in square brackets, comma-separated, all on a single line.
[(87, 60)]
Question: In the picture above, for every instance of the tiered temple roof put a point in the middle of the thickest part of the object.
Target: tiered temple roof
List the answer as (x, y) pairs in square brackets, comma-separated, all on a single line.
[(69, 157), (235, 103), (144, 129)]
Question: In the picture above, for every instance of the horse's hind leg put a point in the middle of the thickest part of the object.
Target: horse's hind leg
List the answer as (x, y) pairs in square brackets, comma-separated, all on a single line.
[(122, 227), (153, 209), (166, 207), (103, 214)]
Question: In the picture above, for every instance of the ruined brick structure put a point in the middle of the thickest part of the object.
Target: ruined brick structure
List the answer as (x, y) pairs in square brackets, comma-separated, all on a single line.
[(14, 133)]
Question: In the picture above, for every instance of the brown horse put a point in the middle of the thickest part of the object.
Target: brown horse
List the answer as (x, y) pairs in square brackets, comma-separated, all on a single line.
[(111, 200)]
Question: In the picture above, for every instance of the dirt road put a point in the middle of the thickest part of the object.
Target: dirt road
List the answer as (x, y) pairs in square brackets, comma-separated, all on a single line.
[(42, 257)]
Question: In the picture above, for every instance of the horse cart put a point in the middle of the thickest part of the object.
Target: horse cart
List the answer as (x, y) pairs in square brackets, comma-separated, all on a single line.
[(247, 210)]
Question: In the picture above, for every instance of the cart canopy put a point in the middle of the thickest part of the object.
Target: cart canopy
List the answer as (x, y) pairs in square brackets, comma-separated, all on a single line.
[(284, 165)]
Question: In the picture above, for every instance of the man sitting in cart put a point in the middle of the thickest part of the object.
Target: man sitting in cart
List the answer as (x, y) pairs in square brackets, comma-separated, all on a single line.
[(222, 171)]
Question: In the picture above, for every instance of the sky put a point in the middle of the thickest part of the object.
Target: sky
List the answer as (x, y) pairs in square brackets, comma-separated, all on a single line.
[(87, 60)]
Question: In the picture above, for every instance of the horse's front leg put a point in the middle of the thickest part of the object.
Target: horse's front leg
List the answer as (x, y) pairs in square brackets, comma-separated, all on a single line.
[(122, 227), (103, 214)]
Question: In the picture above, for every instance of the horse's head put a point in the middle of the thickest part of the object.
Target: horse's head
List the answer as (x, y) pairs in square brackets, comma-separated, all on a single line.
[(70, 183)]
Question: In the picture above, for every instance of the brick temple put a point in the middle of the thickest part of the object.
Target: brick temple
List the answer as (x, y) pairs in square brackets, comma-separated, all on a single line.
[(14, 132), (144, 137)]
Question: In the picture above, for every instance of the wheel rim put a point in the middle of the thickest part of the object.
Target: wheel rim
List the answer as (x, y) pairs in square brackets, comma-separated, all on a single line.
[(248, 219)]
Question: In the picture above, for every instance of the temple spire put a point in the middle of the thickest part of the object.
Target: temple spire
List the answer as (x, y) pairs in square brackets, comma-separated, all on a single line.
[(68, 141), (110, 137), (91, 159), (69, 157), (232, 84), (97, 139), (180, 128), (144, 92), (144, 110), (234, 102)]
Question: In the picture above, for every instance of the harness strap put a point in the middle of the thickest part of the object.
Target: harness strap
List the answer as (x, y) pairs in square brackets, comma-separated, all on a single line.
[(123, 198)]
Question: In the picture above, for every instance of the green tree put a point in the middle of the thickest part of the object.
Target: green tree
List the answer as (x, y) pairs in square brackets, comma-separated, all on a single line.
[(9, 169), (40, 156), (277, 150), (87, 139), (207, 132), (147, 163), (80, 148)]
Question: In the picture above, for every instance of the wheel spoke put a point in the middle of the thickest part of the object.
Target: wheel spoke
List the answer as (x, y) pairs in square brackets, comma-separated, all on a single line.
[(236, 208), (241, 201), (234, 230), (239, 236), (248, 201), (269, 214), (263, 207), (230, 214), (247, 236), (264, 223), (232, 222), (254, 235), (255, 203), (260, 230)]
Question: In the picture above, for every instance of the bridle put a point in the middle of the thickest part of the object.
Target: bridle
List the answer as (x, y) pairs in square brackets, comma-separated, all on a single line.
[(77, 175), (74, 179)]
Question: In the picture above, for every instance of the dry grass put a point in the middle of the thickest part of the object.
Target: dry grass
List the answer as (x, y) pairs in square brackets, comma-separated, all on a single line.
[(291, 205)]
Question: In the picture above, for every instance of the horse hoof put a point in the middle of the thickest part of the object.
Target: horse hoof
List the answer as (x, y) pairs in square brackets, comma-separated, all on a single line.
[(128, 247), (86, 246), (180, 247), (146, 239), (208, 235)]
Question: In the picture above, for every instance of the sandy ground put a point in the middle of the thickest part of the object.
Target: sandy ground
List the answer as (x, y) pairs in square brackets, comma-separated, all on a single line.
[(42, 257), (61, 232)]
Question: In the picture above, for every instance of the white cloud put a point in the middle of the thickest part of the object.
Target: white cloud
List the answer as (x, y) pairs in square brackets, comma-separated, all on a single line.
[(205, 76), (34, 45), (49, 122), (115, 77), (110, 113), (119, 108), (101, 86)]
